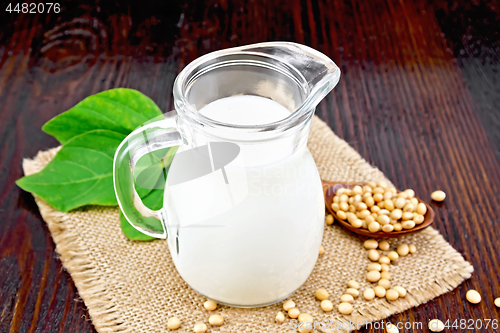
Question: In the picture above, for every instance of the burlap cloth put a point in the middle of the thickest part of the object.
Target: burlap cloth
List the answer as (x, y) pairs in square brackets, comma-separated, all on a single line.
[(134, 287)]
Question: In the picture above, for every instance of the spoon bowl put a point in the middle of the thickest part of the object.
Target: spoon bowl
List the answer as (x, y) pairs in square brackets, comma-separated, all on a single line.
[(329, 189)]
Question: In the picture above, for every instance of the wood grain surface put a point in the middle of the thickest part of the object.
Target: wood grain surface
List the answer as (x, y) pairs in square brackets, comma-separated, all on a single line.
[(419, 97)]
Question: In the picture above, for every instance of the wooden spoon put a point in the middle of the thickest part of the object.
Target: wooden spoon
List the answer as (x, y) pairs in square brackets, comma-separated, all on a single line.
[(329, 189)]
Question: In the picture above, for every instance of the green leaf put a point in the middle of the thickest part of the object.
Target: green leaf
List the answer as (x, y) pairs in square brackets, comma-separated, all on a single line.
[(154, 201), (80, 174), (148, 170), (131, 233), (120, 110)]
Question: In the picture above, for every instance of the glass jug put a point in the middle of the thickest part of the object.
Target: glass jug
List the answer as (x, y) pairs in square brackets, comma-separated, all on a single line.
[(243, 210)]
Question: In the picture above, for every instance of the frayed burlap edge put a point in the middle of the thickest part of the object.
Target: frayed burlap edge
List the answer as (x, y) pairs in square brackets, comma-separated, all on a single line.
[(323, 144), (462, 270), (326, 146), (92, 289)]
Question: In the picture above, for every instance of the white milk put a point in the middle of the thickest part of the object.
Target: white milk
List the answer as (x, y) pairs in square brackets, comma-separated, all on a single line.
[(245, 110), (256, 239)]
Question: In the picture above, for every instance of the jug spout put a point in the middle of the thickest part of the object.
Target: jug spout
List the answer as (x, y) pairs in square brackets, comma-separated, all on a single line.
[(319, 73)]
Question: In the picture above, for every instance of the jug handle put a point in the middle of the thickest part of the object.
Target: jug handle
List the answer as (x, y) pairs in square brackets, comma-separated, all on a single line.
[(144, 140)]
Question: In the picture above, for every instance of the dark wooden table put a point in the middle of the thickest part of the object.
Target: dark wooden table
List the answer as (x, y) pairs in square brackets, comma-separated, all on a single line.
[(419, 97)]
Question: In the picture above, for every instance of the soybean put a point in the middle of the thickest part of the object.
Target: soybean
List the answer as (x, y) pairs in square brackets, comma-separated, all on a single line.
[(380, 291), (353, 292), (388, 228), (383, 219), (364, 226), (384, 260), (383, 184), (385, 275), (374, 227), (305, 318), (329, 218), (436, 325), (421, 208), (373, 276), (408, 224), (353, 284), (280, 317), (419, 219), (364, 214), (438, 196), (393, 255), (210, 305), (357, 189), (321, 294), (390, 328), (288, 305), (384, 212), (408, 208), (357, 223), (384, 283), (497, 302), (388, 196), (389, 205), (369, 294), (326, 305), (403, 250), (374, 266), (370, 244), (369, 219), (293, 313), (401, 291), (347, 298), (378, 197), (412, 248), (373, 255), (216, 320), (173, 323), (200, 328), (410, 193), (473, 296), (345, 308), (361, 206), (400, 203), (407, 216), (384, 245), (391, 295), (396, 214)]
